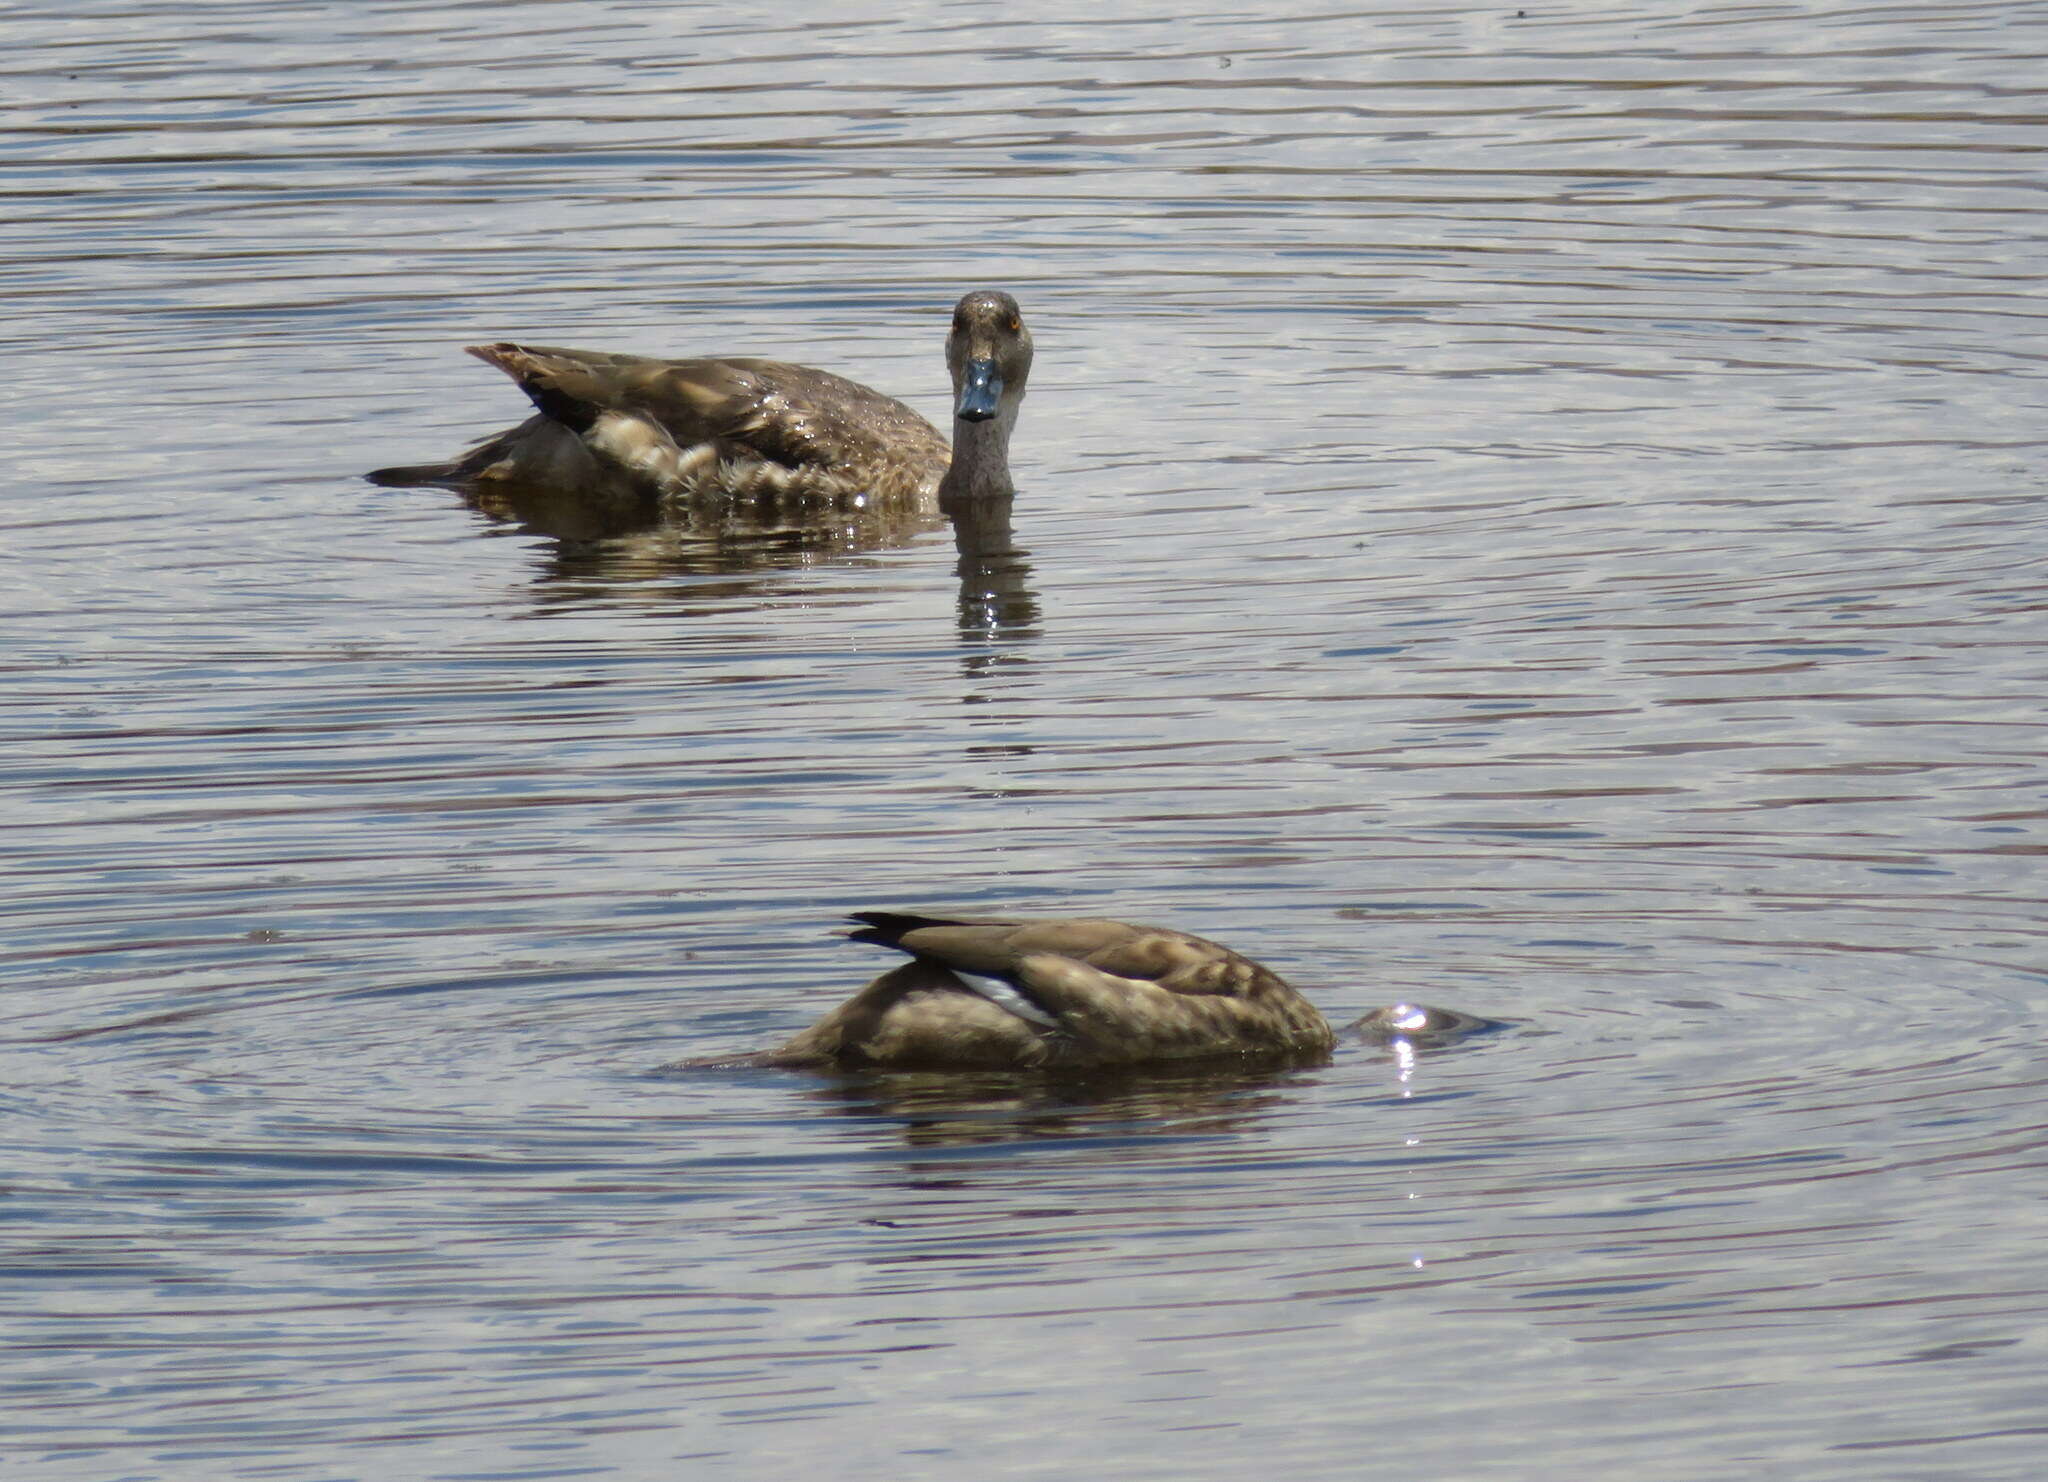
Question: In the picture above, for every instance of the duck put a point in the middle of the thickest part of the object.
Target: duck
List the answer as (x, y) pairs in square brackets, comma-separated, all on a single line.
[(619, 426), (1007, 993)]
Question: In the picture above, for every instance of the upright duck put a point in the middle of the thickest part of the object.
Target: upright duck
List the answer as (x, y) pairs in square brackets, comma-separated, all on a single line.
[(618, 425)]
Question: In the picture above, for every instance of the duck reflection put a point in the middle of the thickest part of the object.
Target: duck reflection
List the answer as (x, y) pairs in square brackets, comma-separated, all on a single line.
[(996, 600), (603, 549), (951, 1109), (636, 535)]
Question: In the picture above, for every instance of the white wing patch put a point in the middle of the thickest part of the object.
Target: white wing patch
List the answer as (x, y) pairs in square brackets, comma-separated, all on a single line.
[(1004, 996)]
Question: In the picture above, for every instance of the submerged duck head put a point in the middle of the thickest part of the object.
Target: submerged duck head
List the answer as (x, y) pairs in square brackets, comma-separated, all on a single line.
[(1003, 993), (1420, 1024), (989, 353)]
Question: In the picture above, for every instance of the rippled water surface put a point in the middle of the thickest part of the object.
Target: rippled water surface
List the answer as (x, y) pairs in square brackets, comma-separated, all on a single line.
[(1533, 509)]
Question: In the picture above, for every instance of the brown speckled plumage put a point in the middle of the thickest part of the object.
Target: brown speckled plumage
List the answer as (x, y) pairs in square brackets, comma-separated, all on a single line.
[(1075, 992), (616, 426)]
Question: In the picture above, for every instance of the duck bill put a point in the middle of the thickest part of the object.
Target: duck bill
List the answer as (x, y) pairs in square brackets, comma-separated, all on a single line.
[(981, 392)]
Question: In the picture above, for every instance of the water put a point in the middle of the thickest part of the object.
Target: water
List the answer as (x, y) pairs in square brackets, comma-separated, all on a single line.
[(1534, 510)]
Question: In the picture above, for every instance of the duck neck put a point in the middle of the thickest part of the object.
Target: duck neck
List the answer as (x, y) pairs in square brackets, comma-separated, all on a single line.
[(981, 457)]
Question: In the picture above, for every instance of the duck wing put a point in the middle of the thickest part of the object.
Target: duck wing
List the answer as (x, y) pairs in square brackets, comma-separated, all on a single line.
[(1120, 991), (731, 413)]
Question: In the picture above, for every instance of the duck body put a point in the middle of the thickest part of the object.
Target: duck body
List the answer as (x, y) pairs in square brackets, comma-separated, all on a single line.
[(1002, 993), (617, 426)]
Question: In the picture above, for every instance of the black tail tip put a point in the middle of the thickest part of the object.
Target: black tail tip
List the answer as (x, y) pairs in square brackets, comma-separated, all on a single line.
[(412, 476), (873, 928), (886, 928)]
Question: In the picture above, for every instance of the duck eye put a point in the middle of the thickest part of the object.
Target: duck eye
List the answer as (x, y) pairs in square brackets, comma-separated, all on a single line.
[(1015, 324)]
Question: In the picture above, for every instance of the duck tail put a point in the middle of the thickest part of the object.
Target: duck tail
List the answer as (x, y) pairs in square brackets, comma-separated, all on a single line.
[(458, 473), (886, 928), (417, 475)]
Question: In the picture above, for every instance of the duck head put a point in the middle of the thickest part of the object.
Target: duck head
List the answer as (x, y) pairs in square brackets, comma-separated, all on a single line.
[(989, 354)]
